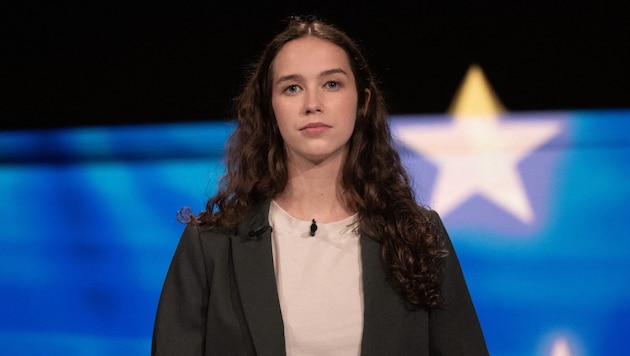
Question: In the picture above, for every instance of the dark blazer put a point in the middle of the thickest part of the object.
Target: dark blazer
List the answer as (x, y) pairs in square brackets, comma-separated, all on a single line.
[(220, 298)]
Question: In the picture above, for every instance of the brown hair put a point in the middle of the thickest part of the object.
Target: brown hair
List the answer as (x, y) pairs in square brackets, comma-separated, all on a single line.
[(374, 179)]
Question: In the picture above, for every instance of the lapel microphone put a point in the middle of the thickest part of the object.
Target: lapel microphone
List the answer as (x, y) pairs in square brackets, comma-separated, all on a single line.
[(257, 232), (313, 227)]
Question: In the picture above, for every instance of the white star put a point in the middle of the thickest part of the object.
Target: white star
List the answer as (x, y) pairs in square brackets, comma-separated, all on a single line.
[(560, 348), (477, 153), (479, 157)]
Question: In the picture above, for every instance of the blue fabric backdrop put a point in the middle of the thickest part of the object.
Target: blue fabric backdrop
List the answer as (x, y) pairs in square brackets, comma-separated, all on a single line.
[(88, 228)]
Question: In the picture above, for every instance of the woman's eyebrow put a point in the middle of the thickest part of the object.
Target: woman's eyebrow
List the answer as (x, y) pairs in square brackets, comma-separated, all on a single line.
[(333, 71), (292, 77)]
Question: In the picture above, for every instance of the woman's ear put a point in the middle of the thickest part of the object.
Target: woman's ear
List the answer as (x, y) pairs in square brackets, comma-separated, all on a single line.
[(366, 103)]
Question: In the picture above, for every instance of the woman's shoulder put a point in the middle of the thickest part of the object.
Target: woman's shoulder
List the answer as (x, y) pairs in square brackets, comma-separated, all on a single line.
[(205, 234), (208, 234), (429, 213)]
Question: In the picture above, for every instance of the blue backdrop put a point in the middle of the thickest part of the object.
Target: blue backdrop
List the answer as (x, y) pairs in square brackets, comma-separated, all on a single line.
[(536, 204)]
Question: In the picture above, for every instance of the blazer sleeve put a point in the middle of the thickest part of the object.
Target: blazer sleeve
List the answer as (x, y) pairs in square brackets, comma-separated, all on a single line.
[(180, 321), (454, 328)]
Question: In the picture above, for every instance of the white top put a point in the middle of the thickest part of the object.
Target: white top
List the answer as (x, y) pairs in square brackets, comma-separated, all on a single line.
[(320, 284)]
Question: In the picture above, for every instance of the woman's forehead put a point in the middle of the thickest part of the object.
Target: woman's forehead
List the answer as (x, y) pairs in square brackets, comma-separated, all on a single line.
[(309, 56)]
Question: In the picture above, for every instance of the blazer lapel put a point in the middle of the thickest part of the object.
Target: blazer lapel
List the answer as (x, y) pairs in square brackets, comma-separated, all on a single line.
[(256, 280), (255, 277), (382, 306)]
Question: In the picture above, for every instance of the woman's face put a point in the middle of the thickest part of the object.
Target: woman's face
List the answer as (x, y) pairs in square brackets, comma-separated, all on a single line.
[(314, 99)]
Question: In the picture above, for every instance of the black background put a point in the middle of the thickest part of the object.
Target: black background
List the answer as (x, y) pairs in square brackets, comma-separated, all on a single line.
[(106, 62)]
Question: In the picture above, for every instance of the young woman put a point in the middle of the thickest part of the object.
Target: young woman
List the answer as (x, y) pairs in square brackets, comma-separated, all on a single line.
[(314, 243)]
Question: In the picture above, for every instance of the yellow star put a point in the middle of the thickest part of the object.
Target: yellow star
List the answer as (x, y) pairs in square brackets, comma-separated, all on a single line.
[(475, 98)]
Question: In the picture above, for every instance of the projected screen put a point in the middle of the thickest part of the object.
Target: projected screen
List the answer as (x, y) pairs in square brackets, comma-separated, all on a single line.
[(536, 204)]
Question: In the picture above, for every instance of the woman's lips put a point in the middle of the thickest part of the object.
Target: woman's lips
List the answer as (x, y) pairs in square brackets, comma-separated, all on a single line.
[(315, 128)]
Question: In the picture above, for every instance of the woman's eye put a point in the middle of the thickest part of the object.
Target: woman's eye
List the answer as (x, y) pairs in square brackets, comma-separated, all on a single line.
[(332, 85), (292, 89)]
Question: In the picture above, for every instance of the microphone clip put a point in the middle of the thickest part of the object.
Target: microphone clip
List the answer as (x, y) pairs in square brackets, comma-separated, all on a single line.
[(313, 227)]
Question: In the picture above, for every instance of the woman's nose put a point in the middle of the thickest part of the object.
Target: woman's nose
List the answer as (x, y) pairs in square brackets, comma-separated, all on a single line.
[(312, 103)]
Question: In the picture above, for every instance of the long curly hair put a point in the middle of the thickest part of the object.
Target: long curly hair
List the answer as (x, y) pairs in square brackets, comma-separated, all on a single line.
[(376, 184)]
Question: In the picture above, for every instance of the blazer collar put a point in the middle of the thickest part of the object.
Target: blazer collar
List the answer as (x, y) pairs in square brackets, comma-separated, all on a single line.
[(256, 280)]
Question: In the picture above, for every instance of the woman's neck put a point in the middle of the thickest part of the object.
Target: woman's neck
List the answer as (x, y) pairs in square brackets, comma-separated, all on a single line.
[(314, 191)]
